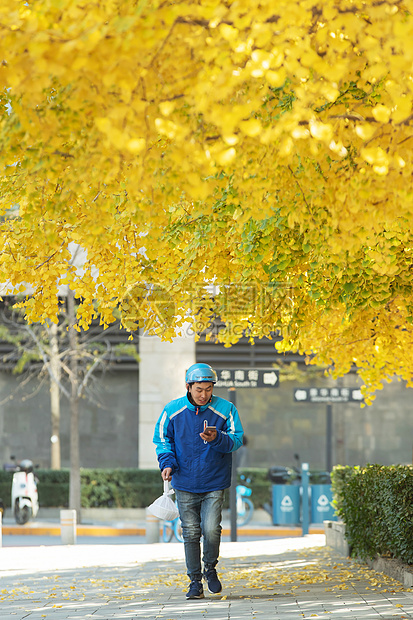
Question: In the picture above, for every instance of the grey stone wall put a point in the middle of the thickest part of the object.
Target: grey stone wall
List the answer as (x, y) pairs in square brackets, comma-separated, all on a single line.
[(108, 423)]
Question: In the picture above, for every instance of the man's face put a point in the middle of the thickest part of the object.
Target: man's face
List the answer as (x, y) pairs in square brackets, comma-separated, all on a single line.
[(201, 392)]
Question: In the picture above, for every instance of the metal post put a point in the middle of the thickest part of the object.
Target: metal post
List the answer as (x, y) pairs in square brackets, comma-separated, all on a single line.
[(232, 397), (329, 437), (152, 527), (68, 527), (305, 507)]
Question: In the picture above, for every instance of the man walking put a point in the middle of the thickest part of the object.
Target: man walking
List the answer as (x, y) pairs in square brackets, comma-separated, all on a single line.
[(195, 437)]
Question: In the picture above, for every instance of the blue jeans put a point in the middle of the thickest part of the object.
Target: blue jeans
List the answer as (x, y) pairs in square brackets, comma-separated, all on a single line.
[(201, 514)]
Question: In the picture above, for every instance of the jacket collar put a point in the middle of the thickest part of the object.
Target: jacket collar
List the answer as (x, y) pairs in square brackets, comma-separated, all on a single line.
[(192, 407)]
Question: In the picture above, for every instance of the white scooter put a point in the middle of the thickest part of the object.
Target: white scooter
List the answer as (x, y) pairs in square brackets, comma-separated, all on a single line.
[(24, 497)]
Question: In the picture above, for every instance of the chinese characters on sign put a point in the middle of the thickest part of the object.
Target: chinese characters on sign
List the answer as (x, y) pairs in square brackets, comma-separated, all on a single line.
[(328, 395), (247, 377)]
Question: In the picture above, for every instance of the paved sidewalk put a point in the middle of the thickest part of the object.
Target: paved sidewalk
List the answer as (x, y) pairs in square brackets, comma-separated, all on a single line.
[(282, 579)]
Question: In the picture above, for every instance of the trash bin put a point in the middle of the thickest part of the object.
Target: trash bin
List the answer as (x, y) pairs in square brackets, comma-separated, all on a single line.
[(285, 497), (321, 508), (285, 504)]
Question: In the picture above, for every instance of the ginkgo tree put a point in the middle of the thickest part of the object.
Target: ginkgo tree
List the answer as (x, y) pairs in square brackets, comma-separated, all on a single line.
[(250, 160)]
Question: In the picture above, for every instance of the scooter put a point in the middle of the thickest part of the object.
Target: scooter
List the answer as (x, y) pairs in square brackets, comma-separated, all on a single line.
[(24, 497)]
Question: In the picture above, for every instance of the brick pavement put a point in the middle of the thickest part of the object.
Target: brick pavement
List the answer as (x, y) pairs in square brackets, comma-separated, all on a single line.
[(283, 579)]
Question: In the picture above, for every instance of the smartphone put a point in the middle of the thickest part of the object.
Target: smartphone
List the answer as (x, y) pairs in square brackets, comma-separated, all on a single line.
[(210, 428)]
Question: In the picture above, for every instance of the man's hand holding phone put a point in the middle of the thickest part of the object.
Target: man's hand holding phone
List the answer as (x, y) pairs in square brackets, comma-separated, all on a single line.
[(209, 433)]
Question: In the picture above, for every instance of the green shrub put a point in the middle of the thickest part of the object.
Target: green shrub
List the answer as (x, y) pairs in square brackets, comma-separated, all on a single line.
[(127, 488), (260, 485), (52, 486), (120, 488), (339, 480), (376, 504), (5, 487)]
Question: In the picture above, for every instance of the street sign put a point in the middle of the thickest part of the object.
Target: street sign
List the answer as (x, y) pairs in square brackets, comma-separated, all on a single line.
[(247, 377), (328, 395)]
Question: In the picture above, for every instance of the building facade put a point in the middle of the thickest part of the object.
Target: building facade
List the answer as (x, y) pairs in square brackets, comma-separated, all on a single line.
[(117, 423)]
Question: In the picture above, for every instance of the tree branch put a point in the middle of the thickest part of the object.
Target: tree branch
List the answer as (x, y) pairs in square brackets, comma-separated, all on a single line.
[(46, 361), (91, 370), (50, 257)]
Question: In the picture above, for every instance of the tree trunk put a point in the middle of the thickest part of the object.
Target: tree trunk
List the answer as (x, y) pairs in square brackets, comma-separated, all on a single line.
[(74, 486), (55, 396)]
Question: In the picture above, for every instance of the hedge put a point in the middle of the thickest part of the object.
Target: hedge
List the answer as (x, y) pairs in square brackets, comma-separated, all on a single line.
[(119, 488), (127, 488), (376, 504)]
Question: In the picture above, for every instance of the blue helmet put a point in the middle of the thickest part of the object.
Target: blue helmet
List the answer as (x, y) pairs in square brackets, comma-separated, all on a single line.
[(200, 372)]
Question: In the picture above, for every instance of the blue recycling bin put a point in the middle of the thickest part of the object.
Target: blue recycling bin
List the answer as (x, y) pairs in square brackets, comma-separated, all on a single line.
[(285, 504), (321, 508)]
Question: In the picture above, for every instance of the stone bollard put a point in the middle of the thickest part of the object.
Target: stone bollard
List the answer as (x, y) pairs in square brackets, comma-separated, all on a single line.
[(68, 527), (152, 528)]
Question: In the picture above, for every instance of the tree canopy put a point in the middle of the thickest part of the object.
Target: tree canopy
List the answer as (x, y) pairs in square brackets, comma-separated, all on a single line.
[(246, 159)]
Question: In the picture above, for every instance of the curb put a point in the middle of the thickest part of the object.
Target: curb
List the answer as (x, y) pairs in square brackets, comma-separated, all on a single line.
[(336, 539), (81, 530), (31, 529), (393, 568)]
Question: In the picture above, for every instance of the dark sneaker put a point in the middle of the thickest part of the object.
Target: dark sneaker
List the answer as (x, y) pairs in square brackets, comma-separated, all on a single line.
[(195, 590), (214, 584)]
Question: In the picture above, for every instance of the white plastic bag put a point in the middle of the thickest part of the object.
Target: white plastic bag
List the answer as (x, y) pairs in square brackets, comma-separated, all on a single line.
[(163, 507)]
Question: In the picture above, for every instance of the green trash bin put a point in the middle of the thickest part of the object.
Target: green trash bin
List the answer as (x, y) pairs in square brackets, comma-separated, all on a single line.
[(285, 504), (321, 508)]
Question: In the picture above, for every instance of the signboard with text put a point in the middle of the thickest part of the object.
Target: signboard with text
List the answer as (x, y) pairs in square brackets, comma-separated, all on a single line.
[(328, 395), (247, 377)]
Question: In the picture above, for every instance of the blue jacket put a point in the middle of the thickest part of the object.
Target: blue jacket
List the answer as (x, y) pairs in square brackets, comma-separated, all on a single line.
[(198, 466)]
